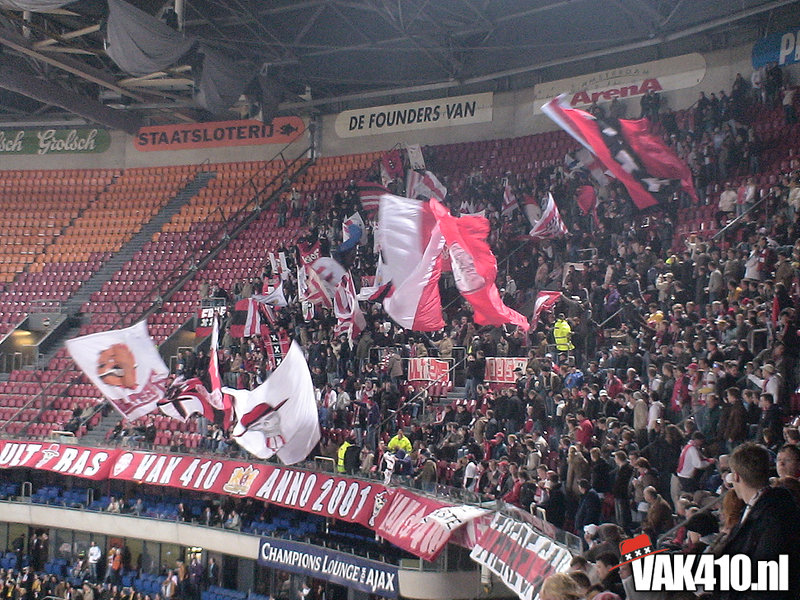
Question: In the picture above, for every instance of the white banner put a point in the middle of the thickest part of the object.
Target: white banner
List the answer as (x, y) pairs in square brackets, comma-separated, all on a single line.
[(665, 75), (415, 157), (428, 114)]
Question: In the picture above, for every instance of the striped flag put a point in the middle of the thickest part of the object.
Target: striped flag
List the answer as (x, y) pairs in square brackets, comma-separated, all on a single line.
[(550, 225), (370, 194), (424, 184), (510, 203)]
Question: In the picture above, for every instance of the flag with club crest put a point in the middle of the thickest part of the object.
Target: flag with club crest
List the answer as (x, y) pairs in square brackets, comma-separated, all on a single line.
[(279, 417)]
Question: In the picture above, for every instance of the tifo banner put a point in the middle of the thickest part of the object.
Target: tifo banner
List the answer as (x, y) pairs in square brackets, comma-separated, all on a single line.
[(89, 463), (54, 141), (281, 130), (427, 114), (501, 369), (664, 75), (782, 48), (351, 571), (428, 369), (519, 556), (405, 523)]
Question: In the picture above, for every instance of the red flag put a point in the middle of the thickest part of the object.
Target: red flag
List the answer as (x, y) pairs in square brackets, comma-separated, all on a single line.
[(550, 225), (658, 158), (392, 161), (475, 267), (587, 198), (544, 301), (615, 143)]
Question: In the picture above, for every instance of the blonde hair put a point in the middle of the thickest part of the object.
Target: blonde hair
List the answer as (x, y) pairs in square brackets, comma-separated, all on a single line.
[(560, 587)]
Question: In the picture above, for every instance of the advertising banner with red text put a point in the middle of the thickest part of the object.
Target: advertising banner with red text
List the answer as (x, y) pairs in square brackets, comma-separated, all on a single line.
[(281, 130), (78, 461), (500, 369), (428, 369)]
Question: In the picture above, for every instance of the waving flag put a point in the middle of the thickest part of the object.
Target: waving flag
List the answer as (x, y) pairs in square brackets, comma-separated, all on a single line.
[(510, 203), (392, 163), (415, 157), (370, 194), (351, 321), (185, 397), (279, 416), (125, 366), (649, 169), (215, 396), (544, 301), (549, 225), (424, 184), (411, 248), (353, 229), (475, 267), (275, 298)]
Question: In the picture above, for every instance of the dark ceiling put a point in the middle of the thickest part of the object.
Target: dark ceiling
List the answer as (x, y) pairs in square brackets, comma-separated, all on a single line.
[(330, 54)]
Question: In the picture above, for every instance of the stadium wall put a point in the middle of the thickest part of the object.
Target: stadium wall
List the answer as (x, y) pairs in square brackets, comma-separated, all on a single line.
[(513, 115)]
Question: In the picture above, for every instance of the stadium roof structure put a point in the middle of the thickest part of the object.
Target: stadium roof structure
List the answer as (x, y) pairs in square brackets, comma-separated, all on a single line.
[(329, 55)]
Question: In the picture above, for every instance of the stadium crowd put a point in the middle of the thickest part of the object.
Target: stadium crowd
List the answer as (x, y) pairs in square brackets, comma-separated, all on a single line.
[(658, 392)]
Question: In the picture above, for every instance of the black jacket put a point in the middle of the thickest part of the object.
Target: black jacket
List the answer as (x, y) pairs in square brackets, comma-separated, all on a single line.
[(589, 511), (556, 506), (772, 528)]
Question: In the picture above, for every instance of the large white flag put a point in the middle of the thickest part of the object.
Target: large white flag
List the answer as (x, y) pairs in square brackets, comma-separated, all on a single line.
[(411, 248), (279, 416), (125, 366), (275, 298)]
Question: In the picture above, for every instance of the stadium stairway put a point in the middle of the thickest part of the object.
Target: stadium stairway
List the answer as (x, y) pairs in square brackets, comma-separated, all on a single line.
[(97, 436), (145, 234)]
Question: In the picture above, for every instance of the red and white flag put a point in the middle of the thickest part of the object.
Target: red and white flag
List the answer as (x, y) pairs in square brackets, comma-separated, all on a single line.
[(279, 416), (424, 184), (185, 397), (411, 248), (215, 396), (350, 319), (647, 167), (544, 301), (549, 225), (475, 267), (125, 366), (370, 194), (246, 318), (510, 203)]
